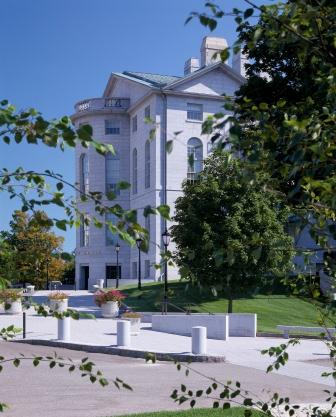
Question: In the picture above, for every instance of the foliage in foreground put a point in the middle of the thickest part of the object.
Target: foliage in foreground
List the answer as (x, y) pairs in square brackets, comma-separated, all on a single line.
[(284, 126)]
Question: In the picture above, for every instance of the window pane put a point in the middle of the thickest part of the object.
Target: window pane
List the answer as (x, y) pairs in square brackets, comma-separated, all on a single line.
[(147, 164), (84, 173), (112, 172), (134, 124), (135, 172), (147, 269), (110, 237), (112, 127), (84, 233), (194, 111), (147, 112), (195, 158)]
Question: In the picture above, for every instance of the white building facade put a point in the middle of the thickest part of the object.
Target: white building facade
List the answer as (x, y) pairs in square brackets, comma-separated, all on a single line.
[(120, 117)]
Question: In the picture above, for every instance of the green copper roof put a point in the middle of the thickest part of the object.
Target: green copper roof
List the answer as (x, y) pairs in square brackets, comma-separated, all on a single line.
[(155, 80)]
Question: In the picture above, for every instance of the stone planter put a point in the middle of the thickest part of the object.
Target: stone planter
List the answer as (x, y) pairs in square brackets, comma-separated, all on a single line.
[(15, 307), (110, 309), (135, 324), (58, 305)]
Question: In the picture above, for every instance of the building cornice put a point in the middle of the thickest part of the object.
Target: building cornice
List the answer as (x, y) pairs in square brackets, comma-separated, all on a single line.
[(191, 94), (78, 115)]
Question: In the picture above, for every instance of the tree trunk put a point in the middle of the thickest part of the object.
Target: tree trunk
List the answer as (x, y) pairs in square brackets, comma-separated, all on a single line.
[(230, 302)]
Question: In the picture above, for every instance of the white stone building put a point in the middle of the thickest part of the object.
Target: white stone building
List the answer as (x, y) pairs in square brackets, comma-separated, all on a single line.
[(174, 104)]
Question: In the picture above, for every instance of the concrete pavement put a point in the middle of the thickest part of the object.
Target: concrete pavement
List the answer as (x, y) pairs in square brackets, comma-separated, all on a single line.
[(41, 392)]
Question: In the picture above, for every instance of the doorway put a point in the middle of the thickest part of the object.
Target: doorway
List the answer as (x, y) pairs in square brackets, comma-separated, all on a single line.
[(84, 277)]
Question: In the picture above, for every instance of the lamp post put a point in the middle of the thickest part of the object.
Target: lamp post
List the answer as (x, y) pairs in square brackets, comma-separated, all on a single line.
[(166, 241), (117, 249), (138, 243)]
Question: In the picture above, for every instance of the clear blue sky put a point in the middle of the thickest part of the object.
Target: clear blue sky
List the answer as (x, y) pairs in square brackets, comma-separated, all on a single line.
[(56, 52)]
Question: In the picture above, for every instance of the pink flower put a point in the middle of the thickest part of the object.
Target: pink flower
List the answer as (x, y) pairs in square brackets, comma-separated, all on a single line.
[(102, 297)]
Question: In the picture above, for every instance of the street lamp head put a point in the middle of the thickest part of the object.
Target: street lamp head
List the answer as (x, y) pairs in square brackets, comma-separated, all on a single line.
[(166, 238), (117, 247), (138, 242)]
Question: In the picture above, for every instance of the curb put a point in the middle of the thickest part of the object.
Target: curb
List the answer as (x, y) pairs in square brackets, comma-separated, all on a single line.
[(131, 353)]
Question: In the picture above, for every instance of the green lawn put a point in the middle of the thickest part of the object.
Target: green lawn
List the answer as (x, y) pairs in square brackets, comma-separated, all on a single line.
[(271, 309), (200, 412)]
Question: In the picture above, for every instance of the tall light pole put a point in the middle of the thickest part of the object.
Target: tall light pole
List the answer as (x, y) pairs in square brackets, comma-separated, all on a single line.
[(138, 243), (117, 249), (166, 241)]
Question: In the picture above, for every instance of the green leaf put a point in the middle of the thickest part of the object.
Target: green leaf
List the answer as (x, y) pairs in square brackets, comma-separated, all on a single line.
[(169, 146), (248, 13)]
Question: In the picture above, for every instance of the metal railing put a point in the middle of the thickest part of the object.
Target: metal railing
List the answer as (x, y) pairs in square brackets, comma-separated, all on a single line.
[(91, 104)]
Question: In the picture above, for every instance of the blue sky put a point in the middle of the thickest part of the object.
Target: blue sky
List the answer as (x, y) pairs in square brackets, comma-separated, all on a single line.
[(56, 52)]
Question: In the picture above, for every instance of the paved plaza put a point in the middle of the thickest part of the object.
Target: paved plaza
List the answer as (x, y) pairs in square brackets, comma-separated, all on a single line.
[(300, 378)]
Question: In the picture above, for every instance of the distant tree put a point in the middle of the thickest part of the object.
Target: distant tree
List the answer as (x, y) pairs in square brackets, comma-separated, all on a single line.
[(229, 232), (70, 268), (36, 249), (7, 261)]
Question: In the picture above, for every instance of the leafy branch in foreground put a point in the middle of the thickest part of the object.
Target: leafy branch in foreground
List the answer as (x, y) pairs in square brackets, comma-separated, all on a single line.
[(30, 126), (86, 368), (224, 394)]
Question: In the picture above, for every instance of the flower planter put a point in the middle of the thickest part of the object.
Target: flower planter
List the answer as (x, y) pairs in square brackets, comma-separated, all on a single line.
[(110, 309), (135, 325), (15, 307), (58, 305)]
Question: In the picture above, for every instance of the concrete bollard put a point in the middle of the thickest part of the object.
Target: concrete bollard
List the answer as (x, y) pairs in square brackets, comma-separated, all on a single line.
[(199, 340), (63, 326), (123, 333)]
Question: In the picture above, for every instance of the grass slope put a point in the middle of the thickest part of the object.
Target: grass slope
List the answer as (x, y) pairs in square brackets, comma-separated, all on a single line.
[(271, 309), (201, 412)]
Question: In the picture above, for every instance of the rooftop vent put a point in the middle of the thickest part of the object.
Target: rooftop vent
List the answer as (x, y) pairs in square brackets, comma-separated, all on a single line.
[(191, 65)]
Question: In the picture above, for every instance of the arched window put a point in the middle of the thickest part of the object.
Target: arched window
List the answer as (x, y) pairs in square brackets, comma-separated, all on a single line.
[(135, 171), (84, 173), (147, 164), (147, 227), (195, 158), (112, 172), (110, 237)]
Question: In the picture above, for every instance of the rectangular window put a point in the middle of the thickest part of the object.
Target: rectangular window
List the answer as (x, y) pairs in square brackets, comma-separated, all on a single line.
[(134, 123), (112, 127), (112, 173), (194, 111), (134, 270), (147, 269), (147, 112)]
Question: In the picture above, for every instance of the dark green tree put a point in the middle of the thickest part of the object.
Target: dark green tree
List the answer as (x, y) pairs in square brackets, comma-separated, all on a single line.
[(229, 232)]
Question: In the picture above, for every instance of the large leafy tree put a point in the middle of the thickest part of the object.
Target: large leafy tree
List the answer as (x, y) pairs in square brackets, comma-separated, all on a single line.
[(36, 250), (284, 119), (229, 232)]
